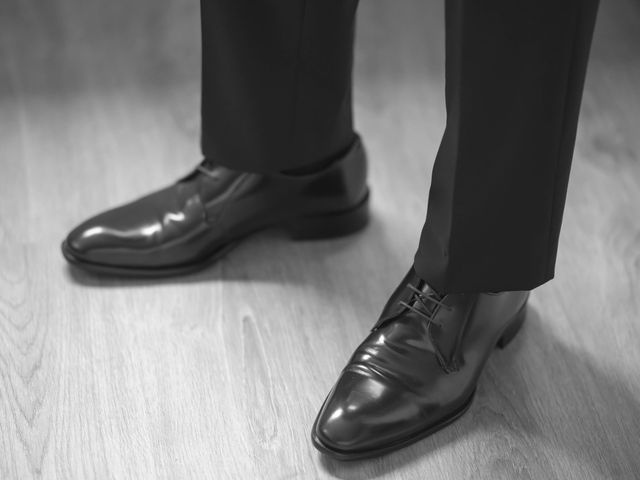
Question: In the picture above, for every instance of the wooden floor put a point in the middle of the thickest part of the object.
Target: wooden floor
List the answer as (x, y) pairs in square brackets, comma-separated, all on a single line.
[(220, 374)]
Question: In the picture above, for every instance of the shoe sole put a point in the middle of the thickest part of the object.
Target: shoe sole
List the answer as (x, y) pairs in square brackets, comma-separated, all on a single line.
[(313, 227), (507, 335)]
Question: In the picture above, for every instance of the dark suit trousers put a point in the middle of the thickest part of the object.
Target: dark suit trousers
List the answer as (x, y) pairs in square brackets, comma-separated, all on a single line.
[(277, 95)]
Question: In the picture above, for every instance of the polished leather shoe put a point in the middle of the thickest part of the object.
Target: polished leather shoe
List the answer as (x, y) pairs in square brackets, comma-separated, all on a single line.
[(417, 370), (195, 221)]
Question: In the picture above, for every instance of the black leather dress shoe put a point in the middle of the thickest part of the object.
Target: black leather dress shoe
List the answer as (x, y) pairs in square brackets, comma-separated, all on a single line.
[(417, 370), (187, 225)]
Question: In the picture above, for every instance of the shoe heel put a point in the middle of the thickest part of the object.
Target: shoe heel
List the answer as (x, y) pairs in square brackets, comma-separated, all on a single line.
[(513, 328), (330, 224)]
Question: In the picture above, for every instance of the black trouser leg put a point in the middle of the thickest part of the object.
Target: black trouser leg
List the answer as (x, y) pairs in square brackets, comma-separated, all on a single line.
[(276, 81), (514, 81)]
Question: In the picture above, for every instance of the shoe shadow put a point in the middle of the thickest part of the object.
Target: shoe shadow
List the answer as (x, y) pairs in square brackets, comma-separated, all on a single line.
[(525, 423)]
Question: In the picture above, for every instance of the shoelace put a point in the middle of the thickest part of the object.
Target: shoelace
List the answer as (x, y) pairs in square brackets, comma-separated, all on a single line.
[(206, 167), (423, 300)]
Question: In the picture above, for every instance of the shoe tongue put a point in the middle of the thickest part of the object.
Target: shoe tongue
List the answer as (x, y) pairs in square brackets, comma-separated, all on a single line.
[(407, 295), (427, 292), (428, 289)]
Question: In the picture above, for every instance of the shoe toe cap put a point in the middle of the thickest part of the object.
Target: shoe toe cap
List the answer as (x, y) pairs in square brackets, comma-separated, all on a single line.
[(90, 236), (364, 413), (340, 425), (107, 236)]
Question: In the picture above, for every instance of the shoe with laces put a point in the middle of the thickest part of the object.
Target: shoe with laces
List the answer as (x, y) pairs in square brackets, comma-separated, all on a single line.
[(417, 370)]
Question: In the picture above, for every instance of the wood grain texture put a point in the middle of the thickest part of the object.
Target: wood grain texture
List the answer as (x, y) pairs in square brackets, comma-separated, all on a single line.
[(220, 374)]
